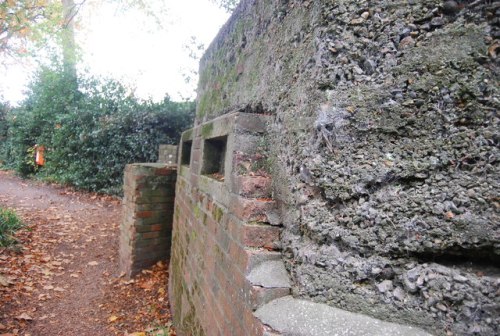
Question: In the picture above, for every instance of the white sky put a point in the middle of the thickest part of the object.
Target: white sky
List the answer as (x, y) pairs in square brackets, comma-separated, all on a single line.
[(129, 47)]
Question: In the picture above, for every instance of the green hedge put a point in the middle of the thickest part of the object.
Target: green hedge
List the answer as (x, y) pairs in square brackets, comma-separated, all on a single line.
[(89, 134), (3, 128)]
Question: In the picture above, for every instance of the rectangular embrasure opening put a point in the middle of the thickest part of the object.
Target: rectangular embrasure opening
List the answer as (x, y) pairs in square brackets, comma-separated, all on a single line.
[(186, 152), (214, 155)]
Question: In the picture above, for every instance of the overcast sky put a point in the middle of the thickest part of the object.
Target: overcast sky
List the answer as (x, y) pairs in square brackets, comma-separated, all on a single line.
[(130, 47)]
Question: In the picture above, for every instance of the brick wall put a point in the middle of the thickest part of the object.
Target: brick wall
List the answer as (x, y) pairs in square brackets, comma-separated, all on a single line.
[(225, 261), (148, 203)]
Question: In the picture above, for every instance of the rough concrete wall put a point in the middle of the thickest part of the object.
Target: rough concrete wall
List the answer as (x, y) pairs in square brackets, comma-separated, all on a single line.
[(167, 154), (148, 209), (385, 139)]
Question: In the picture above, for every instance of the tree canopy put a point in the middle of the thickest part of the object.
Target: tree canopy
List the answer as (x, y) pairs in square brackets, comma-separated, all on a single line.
[(35, 21), (27, 20)]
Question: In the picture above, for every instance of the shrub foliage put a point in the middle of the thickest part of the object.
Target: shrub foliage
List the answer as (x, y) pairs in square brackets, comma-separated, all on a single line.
[(9, 223), (90, 134)]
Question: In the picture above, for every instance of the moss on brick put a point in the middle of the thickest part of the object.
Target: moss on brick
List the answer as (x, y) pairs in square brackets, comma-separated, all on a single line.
[(197, 211), (194, 235), (217, 213)]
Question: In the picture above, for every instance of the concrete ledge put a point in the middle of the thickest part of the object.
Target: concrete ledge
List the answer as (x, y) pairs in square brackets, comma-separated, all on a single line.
[(259, 256), (270, 274), (269, 282), (289, 316)]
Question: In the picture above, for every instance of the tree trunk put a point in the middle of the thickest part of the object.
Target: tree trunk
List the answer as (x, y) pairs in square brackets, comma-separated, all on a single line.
[(68, 43)]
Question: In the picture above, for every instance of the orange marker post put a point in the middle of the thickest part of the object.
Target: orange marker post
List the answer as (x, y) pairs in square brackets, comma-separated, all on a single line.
[(40, 155)]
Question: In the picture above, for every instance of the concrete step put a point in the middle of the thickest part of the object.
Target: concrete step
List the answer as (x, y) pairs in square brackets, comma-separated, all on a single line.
[(270, 281), (290, 316)]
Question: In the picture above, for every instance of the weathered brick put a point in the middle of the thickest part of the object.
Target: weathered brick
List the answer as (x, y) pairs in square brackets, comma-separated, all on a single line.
[(165, 240), (166, 171), (154, 220), (234, 228), (232, 310), (144, 214), (223, 240), (251, 209), (261, 236), (238, 256), (254, 327), (157, 227), (214, 324), (211, 227), (148, 255), (252, 186), (168, 204)]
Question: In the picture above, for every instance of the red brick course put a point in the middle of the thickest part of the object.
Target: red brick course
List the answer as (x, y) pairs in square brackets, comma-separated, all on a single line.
[(148, 206), (265, 236), (252, 186)]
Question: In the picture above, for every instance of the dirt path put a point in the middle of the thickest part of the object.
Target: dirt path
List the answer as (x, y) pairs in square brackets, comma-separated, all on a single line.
[(63, 275)]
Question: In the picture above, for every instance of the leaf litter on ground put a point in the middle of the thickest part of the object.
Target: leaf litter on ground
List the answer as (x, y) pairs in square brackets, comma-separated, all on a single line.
[(54, 254)]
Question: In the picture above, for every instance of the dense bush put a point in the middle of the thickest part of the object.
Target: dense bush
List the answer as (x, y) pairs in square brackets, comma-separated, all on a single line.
[(89, 134), (3, 127), (9, 223)]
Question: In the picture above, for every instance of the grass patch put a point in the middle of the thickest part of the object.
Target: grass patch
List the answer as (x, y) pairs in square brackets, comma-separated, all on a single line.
[(9, 223)]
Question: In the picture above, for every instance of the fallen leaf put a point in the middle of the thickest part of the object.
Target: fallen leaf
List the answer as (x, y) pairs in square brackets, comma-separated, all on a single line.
[(113, 318), (74, 275), (493, 50), (4, 281), (147, 285), (24, 317), (43, 297), (93, 263), (47, 272)]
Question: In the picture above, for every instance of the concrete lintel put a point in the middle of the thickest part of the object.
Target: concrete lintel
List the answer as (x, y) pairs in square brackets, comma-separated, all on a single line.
[(228, 123)]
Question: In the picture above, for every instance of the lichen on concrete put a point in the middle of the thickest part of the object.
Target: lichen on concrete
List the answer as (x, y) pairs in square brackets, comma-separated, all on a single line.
[(384, 147)]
